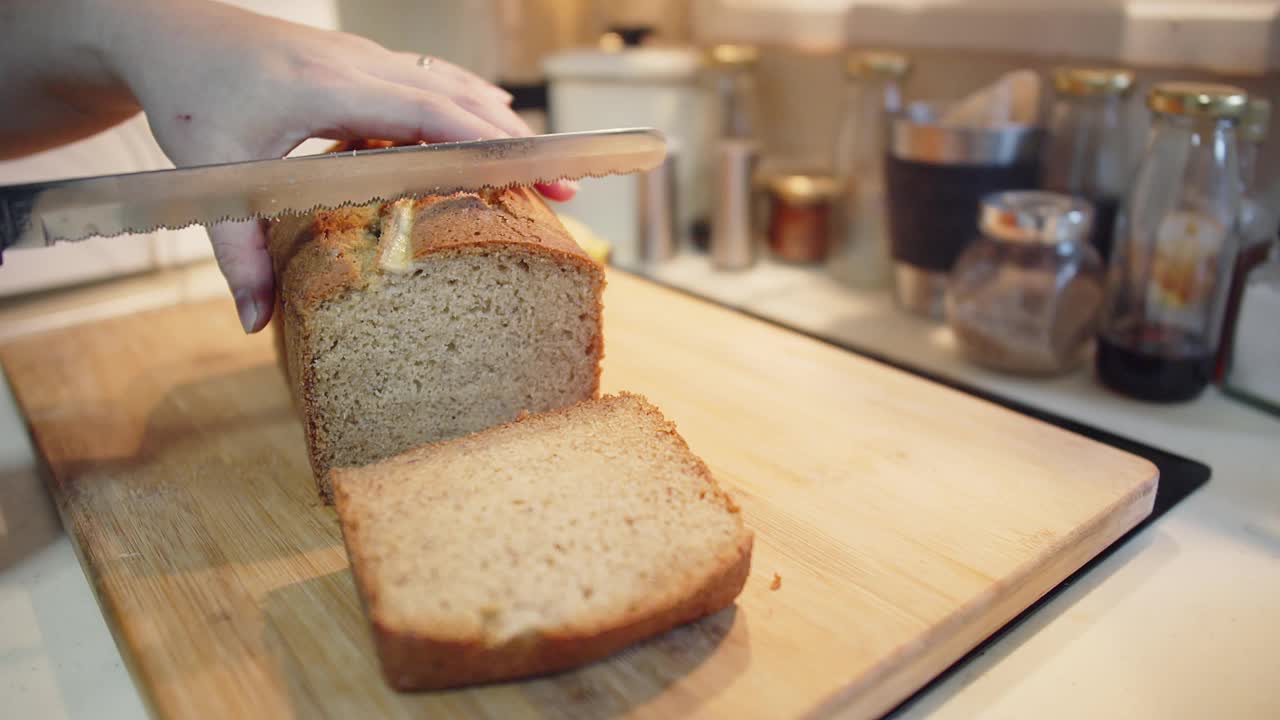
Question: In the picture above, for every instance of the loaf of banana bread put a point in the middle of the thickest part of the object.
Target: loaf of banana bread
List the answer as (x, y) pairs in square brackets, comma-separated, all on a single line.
[(415, 321)]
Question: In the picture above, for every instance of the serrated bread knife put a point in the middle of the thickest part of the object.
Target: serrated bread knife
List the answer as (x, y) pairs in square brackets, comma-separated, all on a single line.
[(41, 214)]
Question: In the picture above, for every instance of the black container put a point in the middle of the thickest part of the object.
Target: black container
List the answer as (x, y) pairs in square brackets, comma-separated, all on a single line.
[(936, 174), (933, 209)]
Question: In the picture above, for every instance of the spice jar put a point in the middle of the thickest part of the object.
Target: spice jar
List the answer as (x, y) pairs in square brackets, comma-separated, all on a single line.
[(803, 216), (1088, 153), (1025, 296), (1176, 242)]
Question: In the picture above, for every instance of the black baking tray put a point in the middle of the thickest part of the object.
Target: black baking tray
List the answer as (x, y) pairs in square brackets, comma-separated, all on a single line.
[(1179, 476)]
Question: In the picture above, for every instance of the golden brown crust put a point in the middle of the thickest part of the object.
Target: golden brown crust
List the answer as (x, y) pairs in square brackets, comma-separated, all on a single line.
[(413, 661), (515, 217), (323, 256), (319, 257)]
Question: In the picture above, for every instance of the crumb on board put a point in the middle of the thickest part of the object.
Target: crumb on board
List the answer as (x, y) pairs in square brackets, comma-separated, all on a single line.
[(777, 582)]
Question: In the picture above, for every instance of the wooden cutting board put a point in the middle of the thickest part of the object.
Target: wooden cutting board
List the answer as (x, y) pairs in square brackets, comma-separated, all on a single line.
[(898, 523)]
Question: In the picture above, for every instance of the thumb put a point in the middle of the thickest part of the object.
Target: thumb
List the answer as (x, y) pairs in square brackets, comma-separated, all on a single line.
[(241, 251)]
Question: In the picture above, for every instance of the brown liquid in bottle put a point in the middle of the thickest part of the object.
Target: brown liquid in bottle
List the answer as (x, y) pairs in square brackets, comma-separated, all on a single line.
[(1163, 365)]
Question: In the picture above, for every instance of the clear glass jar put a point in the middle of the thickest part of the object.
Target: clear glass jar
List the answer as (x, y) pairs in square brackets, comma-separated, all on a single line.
[(1253, 133), (1257, 223), (1025, 296), (1176, 241), (730, 78), (1089, 152), (873, 91), (1253, 363)]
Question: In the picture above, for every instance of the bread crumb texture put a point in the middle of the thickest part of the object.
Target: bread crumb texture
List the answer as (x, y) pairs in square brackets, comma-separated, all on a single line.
[(538, 545)]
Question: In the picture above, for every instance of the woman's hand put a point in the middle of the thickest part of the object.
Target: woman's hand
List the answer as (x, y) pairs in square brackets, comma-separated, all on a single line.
[(219, 84)]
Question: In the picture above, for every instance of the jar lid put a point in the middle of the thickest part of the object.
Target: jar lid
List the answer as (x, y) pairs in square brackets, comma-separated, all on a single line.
[(866, 63), (1198, 99), (804, 189), (1256, 120), (1034, 216), (1092, 82), (732, 56)]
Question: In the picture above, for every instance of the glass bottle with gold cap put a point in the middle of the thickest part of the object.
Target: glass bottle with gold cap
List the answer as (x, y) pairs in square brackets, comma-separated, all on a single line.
[(730, 73), (874, 90), (1175, 243), (1253, 133), (1258, 222), (1258, 212), (1089, 152)]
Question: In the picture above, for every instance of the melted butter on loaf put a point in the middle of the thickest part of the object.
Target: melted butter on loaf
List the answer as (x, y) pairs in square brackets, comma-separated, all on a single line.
[(396, 253)]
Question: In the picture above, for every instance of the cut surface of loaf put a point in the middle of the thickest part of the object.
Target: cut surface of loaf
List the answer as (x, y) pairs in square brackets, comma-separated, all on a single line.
[(419, 320), (539, 545)]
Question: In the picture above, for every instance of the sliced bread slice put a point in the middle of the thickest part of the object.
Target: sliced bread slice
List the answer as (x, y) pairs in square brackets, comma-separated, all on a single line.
[(539, 545)]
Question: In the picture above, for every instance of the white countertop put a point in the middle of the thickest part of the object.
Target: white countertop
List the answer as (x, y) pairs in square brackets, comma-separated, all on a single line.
[(1183, 621)]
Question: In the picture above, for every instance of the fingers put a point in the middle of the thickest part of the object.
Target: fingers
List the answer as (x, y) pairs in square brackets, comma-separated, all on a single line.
[(375, 108), (496, 113), (472, 93), (558, 191), (241, 251), (467, 90), (408, 68)]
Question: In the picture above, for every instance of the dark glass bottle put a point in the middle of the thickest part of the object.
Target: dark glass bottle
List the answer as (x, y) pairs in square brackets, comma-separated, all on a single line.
[(1175, 246)]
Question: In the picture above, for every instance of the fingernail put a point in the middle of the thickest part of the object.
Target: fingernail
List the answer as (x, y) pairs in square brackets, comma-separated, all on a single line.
[(247, 308), (571, 184)]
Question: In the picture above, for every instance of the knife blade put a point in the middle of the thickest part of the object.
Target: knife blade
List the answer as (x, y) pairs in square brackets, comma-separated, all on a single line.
[(42, 214)]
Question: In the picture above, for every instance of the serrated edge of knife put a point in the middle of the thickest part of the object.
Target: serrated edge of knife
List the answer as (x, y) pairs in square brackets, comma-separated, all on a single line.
[(287, 212)]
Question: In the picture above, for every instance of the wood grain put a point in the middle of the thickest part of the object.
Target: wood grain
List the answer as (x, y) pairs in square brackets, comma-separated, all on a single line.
[(906, 521)]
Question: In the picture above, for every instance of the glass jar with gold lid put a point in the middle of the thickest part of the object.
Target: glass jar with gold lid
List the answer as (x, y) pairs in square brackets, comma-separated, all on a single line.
[(1175, 244), (1253, 132), (730, 73), (803, 217), (873, 91), (1089, 153), (1258, 220), (1025, 295)]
